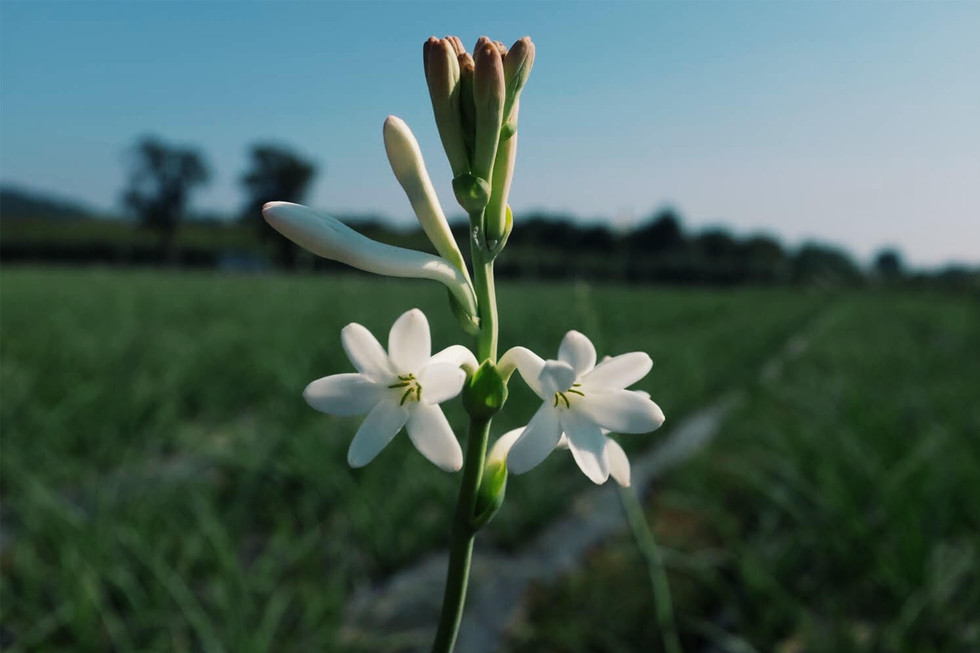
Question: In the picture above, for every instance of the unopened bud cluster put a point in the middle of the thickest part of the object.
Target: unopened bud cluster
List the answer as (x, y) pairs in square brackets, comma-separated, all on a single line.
[(475, 99)]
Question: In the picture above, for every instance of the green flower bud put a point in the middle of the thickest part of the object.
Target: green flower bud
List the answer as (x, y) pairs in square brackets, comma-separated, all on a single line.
[(495, 218), (490, 495), (484, 392), (472, 193)]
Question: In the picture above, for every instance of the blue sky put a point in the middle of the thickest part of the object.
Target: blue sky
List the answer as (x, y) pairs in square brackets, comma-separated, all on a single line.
[(853, 122)]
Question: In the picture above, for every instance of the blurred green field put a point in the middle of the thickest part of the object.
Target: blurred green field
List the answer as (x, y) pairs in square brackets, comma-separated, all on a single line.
[(164, 487)]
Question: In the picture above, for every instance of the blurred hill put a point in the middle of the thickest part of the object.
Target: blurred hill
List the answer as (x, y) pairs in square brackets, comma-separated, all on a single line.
[(18, 202)]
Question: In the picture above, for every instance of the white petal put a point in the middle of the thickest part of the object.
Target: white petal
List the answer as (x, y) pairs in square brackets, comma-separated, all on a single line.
[(440, 382), (555, 376), (377, 430), (577, 351), (500, 449), (366, 353), (619, 372), (527, 363), (536, 442), (405, 158), (433, 437), (409, 342), (328, 237), (458, 355), (562, 441), (621, 411), (343, 394), (588, 445), (619, 464)]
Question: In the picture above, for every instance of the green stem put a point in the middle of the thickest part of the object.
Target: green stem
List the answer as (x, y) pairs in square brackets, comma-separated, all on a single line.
[(464, 527), (463, 532), (486, 295), (645, 541)]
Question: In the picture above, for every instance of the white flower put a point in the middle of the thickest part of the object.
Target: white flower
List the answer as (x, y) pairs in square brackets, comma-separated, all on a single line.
[(402, 387), (581, 399), (330, 238)]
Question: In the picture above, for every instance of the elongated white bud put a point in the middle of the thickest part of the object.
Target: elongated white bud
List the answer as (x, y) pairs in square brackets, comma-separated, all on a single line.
[(406, 162), (330, 238)]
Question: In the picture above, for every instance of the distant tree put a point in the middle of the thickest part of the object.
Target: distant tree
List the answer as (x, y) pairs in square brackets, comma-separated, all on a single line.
[(161, 177), (826, 265), (662, 233), (276, 174), (716, 244), (763, 260), (888, 264)]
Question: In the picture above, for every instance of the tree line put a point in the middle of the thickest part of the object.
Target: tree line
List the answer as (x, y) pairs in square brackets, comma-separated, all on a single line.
[(162, 177)]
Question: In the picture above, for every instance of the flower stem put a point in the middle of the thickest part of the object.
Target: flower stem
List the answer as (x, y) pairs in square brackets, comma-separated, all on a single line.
[(486, 296), (463, 532), (464, 527), (647, 544)]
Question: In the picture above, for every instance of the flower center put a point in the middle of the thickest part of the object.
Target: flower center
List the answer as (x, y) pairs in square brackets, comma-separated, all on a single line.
[(413, 389), (562, 397)]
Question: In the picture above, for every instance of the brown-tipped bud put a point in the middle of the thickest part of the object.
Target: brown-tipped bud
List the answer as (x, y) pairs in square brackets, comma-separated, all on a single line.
[(457, 45), (501, 48), (426, 48), (517, 67), (488, 96), (443, 77), (480, 42), (467, 107)]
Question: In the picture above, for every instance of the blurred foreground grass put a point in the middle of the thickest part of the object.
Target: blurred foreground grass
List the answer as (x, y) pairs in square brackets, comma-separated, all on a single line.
[(165, 487)]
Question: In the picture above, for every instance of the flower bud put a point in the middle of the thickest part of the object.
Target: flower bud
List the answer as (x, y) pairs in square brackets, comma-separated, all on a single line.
[(495, 218), (517, 68), (330, 238), (484, 392), (467, 106), (472, 193), (493, 485), (488, 98), (442, 75), (456, 44), (406, 162)]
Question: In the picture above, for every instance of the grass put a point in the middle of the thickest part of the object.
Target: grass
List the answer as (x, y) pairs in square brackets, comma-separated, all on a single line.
[(165, 487), (836, 511)]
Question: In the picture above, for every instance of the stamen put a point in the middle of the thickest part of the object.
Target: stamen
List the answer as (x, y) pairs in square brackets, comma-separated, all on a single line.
[(411, 385)]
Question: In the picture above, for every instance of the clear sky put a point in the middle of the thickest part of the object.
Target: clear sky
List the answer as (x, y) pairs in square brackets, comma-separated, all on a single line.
[(851, 122)]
